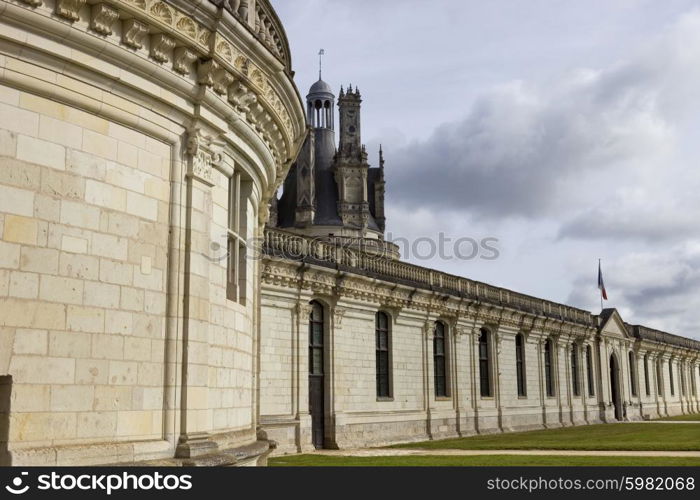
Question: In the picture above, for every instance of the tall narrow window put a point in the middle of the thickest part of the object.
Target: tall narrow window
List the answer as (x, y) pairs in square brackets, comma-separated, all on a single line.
[(670, 377), (238, 194), (681, 369), (589, 370), (382, 351), (633, 373), (520, 364), (646, 375), (574, 371), (440, 360), (659, 379), (316, 339), (484, 364), (548, 367)]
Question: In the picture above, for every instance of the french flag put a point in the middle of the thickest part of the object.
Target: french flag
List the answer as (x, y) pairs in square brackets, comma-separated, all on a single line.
[(601, 284)]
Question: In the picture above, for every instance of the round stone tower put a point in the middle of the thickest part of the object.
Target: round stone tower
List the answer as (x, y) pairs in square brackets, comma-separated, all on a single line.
[(141, 142)]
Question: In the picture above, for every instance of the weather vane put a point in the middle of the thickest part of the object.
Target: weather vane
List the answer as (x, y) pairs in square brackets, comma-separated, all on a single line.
[(321, 53)]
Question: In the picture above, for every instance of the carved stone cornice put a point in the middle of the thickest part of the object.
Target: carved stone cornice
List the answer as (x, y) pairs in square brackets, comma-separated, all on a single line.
[(161, 47), (212, 75), (133, 33), (102, 18), (182, 36), (69, 9), (183, 58)]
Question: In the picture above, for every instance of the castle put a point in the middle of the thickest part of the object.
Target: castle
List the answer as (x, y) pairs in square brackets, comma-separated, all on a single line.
[(359, 348), (161, 304)]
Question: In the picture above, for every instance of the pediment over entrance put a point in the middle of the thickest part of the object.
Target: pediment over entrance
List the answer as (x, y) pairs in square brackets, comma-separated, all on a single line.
[(610, 323)]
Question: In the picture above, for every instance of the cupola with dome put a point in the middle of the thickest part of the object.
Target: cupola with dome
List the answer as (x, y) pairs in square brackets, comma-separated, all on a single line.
[(332, 192)]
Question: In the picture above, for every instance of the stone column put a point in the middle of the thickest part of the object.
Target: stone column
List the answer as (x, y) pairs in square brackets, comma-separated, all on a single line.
[(427, 336), (541, 379), (195, 421), (334, 414), (496, 373), (300, 377)]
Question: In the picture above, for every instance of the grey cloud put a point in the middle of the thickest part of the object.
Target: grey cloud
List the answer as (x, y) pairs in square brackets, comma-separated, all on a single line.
[(617, 221), (534, 150)]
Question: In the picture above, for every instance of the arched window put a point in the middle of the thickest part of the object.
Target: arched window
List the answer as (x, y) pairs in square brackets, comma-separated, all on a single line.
[(549, 367), (659, 379), (574, 371), (633, 372), (520, 364), (440, 360), (670, 377), (383, 355), (316, 339), (589, 370), (646, 375), (484, 364)]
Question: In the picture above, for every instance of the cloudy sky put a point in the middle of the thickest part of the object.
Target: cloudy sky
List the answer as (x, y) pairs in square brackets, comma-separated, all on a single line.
[(566, 130)]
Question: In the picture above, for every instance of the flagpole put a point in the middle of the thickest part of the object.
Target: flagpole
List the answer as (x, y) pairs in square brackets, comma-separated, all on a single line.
[(600, 291)]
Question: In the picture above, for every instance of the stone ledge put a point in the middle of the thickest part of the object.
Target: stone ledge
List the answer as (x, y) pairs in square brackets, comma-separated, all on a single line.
[(254, 454)]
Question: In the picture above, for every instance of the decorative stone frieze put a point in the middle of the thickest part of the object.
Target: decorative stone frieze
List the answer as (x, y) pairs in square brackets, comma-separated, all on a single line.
[(34, 3)]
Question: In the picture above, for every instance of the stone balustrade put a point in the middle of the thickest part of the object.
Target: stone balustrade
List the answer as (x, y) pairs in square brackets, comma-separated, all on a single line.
[(279, 243)]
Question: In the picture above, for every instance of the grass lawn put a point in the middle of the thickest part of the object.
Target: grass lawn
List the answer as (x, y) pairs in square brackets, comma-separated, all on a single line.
[(480, 461), (683, 418), (633, 437)]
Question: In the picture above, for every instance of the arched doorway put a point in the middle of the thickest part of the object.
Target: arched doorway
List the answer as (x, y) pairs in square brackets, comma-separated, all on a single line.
[(615, 386)]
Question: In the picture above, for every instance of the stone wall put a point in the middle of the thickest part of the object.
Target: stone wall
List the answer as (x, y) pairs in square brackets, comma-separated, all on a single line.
[(355, 416), (121, 126), (85, 218)]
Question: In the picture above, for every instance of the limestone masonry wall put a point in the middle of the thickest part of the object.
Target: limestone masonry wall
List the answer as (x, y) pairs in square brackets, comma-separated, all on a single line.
[(139, 141)]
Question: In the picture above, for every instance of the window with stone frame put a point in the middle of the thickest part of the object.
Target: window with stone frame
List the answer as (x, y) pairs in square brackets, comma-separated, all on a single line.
[(549, 367), (440, 360), (647, 386), (383, 355), (589, 370), (316, 339), (659, 379), (485, 363), (681, 369), (633, 373), (239, 191), (670, 377), (575, 383), (520, 365)]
